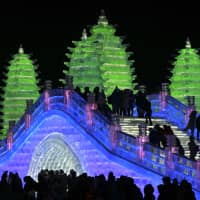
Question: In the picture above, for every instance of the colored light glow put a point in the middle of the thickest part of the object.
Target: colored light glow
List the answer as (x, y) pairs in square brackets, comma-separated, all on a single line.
[(68, 125), (53, 154), (21, 84), (67, 96), (89, 114), (9, 140), (101, 60), (187, 115), (163, 101), (141, 152), (185, 79), (27, 120), (83, 64), (46, 100), (64, 148), (113, 135), (114, 63)]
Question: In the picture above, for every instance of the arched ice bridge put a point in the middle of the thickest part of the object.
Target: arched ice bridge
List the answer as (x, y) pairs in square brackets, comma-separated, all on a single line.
[(61, 131)]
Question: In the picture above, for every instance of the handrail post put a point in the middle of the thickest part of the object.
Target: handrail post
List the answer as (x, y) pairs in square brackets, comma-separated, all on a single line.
[(163, 94), (89, 109), (29, 103), (190, 107), (141, 139), (48, 86), (198, 169), (68, 89), (113, 131), (10, 134), (169, 161)]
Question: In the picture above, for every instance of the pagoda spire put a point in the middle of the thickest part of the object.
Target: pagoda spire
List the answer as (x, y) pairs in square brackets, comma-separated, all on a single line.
[(102, 18), (21, 50), (84, 34), (188, 43), (20, 85), (186, 65)]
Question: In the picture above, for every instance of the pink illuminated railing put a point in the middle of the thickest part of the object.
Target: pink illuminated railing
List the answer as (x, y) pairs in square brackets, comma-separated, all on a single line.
[(110, 139)]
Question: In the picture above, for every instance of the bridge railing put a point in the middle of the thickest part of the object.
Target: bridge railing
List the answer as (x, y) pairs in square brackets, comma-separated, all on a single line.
[(174, 112), (127, 147), (160, 161), (98, 127), (133, 150)]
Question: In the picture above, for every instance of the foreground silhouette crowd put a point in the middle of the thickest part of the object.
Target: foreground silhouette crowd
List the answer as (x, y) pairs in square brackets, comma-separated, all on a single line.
[(57, 185)]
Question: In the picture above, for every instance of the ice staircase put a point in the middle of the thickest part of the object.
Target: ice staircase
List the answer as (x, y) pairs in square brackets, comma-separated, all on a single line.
[(93, 143), (130, 125)]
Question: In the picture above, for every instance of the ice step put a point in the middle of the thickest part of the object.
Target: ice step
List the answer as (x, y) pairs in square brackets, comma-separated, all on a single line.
[(129, 125)]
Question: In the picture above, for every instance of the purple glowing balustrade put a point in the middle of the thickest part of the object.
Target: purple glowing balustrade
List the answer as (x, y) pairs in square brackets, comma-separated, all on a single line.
[(67, 97), (27, 120), (47, 100), (9, 140)]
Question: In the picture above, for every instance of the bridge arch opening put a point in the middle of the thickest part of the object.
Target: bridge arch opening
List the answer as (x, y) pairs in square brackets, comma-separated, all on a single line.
[(53, 153)]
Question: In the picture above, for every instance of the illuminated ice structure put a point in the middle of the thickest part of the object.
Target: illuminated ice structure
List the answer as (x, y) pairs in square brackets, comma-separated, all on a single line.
[(20, 85), (59, 137), (185, 75), (101, 59), (84, 64)]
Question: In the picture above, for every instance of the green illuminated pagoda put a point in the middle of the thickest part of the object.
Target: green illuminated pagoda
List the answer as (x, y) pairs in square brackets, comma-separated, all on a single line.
[(114, 62), (185, 80), (100, 59), (84, 65), (20, 84)]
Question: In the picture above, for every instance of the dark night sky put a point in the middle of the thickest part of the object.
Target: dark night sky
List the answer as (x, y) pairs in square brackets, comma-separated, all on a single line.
[(154, 33)]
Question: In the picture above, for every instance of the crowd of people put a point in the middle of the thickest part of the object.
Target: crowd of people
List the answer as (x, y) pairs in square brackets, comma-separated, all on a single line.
[(57, 185), (164, 137), (123, 102)]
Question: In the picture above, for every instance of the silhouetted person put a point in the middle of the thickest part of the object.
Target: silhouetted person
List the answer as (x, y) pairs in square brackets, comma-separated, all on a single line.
[(30, 187), (166, 189), (161, 195), (191, 123), (148, 112), (148, 192), (78, 90), (181, 150), (96, 92), (132, 103), (140, 103), (124, 106), (115, 100), (198, 126), (171, 138), (193, 148), (154, 135), (185, 191), (86, 93), (101, 101)]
